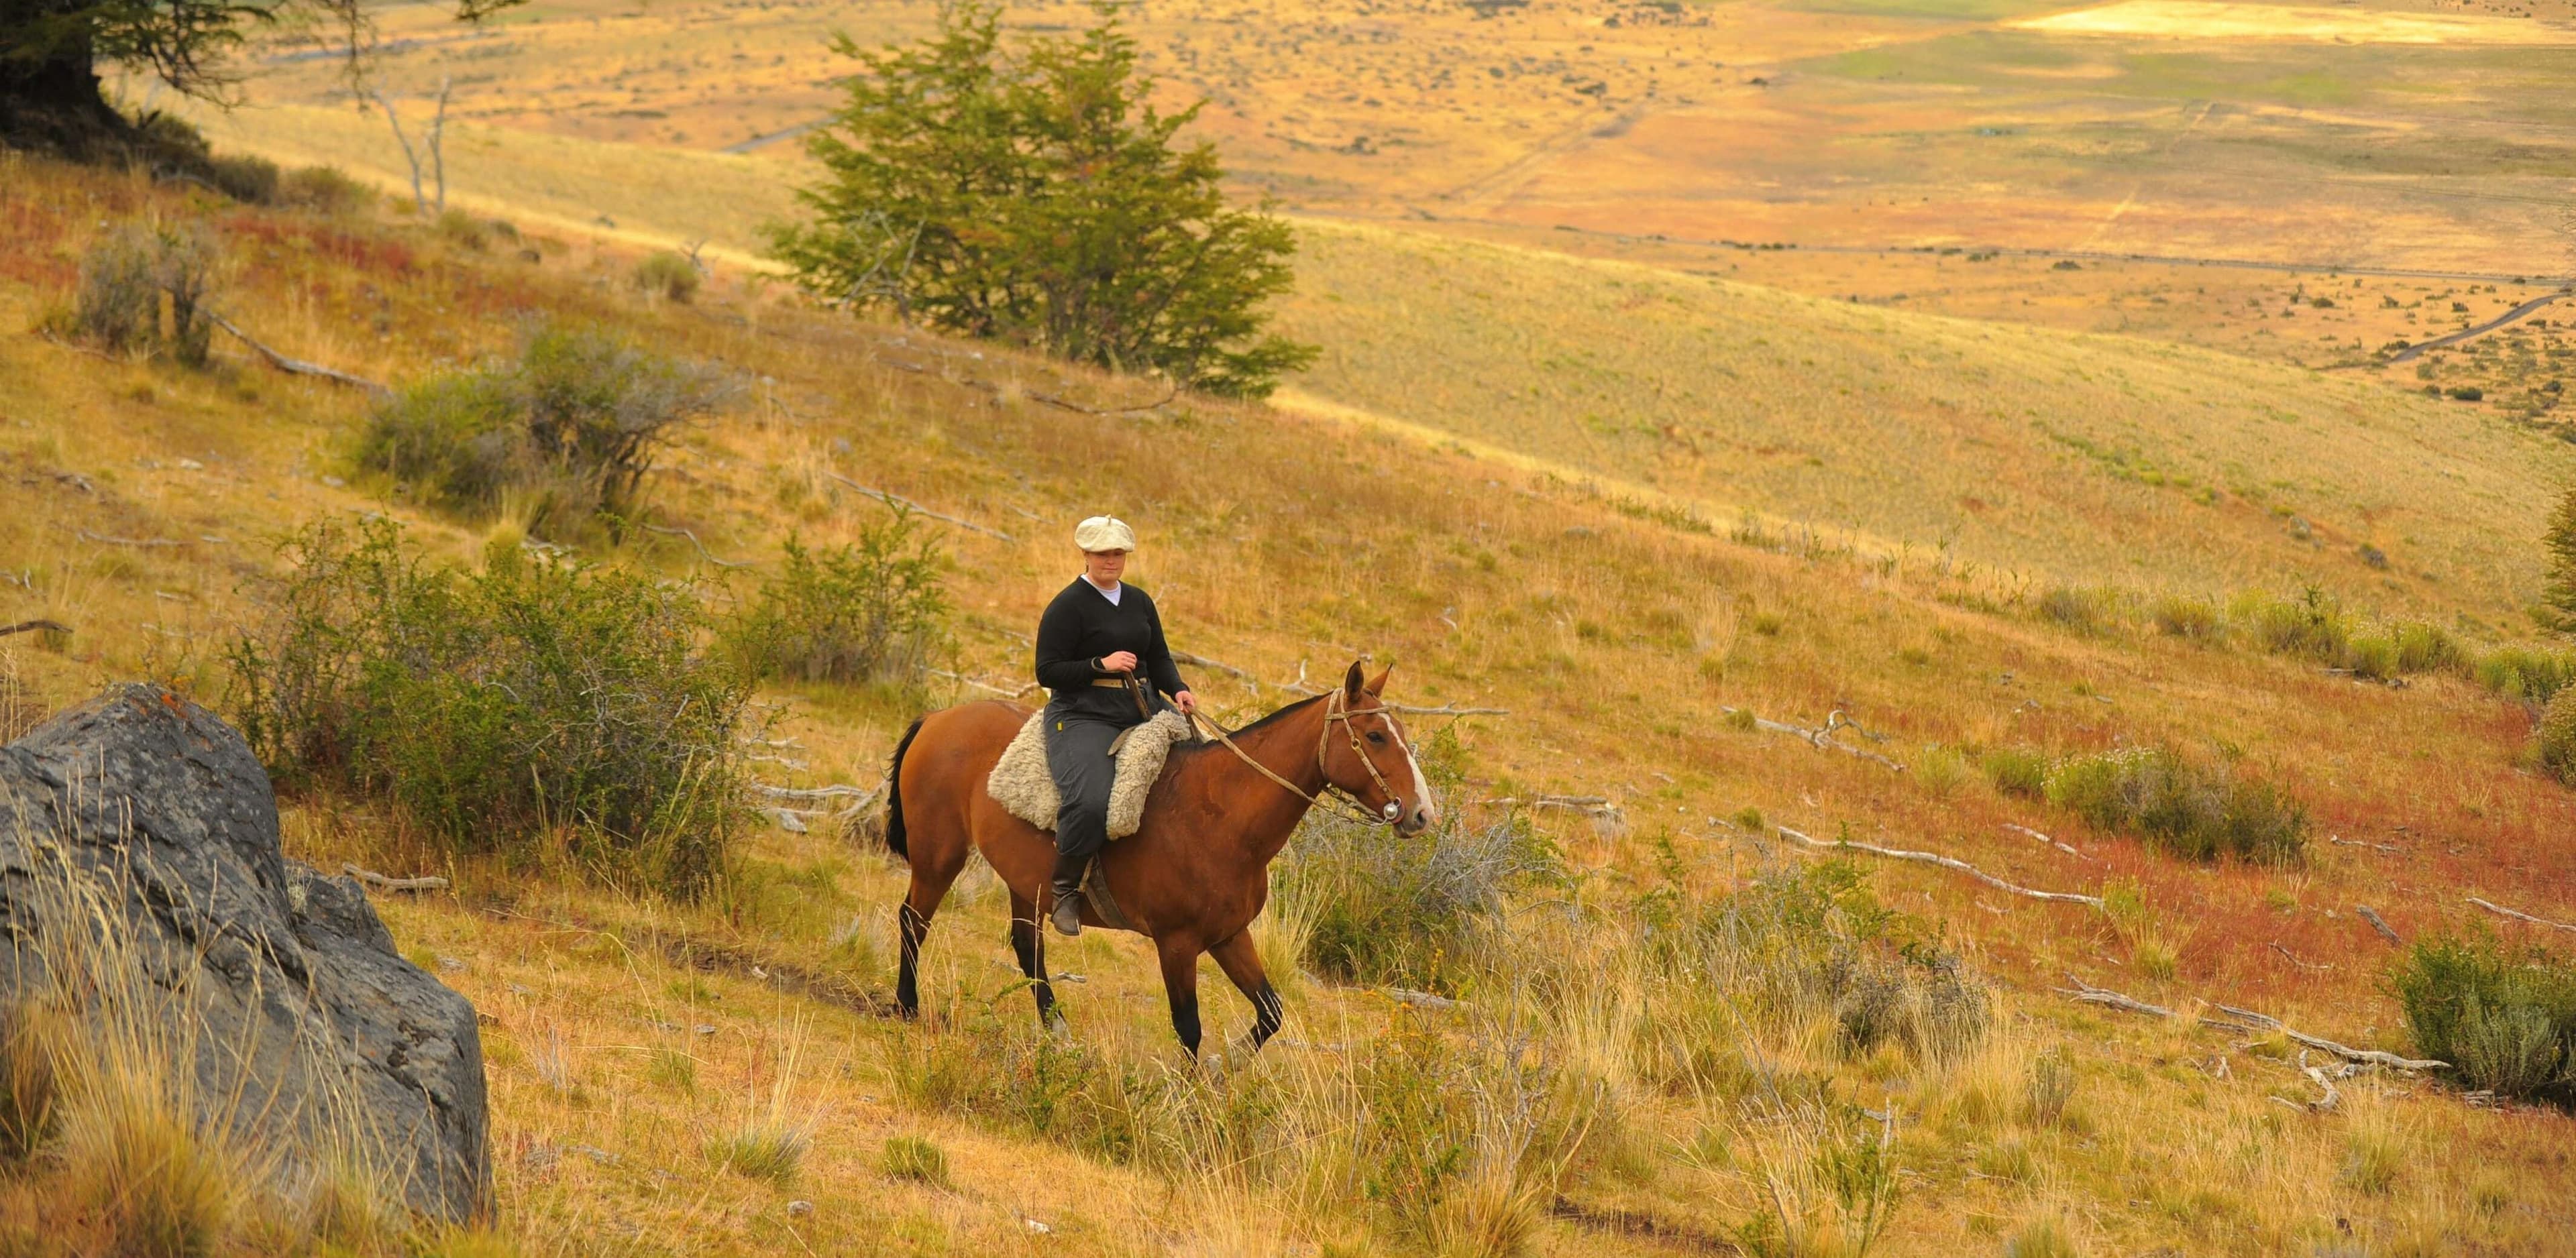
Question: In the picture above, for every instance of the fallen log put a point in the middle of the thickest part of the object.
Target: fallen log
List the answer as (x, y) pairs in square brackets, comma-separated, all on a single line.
[(1820, 737), (1934, 858), (918, 509), (383, 883), (2266, 1022), (2386, 931), (2518, 915), (29, 626), (297, 366), (2063, 847), (703, 552)]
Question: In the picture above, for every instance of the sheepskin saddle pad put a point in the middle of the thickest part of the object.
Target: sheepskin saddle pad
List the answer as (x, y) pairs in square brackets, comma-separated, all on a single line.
[(1022, 784)]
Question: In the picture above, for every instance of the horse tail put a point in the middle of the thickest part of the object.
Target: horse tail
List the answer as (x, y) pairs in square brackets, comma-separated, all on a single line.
[(894, 836)]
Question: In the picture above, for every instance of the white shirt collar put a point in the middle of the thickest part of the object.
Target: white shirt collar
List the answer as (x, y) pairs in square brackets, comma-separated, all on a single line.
[(1111, 593)]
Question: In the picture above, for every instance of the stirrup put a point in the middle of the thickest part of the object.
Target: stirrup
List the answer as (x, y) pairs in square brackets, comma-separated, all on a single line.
[(1068, 913)]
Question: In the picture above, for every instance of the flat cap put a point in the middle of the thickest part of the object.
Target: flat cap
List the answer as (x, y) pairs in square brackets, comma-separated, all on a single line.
[(1104, 532)]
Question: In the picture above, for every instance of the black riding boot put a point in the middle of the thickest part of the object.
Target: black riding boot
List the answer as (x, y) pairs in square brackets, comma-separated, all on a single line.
[(1069, 867)]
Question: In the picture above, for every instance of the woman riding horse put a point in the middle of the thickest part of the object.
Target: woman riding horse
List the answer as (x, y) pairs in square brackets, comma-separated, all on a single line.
[(1101, 656)]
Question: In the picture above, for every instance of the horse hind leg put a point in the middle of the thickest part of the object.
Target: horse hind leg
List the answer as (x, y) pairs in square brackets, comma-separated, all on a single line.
[(930, 883), (1028, 943)]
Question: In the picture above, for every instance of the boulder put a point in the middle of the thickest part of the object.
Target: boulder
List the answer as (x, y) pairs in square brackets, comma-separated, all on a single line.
[(145, 819)]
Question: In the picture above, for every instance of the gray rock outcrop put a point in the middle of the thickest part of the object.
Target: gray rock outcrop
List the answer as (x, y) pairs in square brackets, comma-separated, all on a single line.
[(145, 819)]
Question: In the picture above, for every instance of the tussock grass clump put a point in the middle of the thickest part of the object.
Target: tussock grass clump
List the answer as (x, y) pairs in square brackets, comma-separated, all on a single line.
[(874, 609), (2186, 616), (2042, 1237), (570, 427), (668, 275), (762, 1150), (917, 1159), (2080, 608), (523, 710), (2504, 1017), (252, 180), (2194, 810), (1407, 909), (324, 190), (2525, 673), (2016, 771), (30, 1081), (2312, 624)]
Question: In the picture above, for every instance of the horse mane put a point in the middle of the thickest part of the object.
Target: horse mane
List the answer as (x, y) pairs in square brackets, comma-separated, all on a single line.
[(1280, 715)]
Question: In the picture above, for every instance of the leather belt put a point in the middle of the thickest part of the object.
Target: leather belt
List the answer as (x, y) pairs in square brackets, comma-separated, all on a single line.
[(1111, 682)]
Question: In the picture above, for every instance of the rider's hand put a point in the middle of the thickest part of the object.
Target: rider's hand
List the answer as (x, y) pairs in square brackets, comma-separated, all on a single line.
[(1186, 702), (1118, 662)]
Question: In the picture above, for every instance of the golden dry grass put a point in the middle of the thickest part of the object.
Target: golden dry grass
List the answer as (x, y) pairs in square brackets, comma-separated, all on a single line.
[(1276, 539)]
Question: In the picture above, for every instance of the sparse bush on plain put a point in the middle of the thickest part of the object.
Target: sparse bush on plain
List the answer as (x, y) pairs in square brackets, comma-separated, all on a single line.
[(2557, 611), (2187, 616), (1406, 909), (323, 190), (2529, 674), (2081, 609), (464, 230), (2190, 809), (668, 275), (125, 278), (2311, 625), (503, 709), (2553, 743), (873, 609), (2016, 771), (30, 1080), (2503, 1016), (572, 425), (244, 178)]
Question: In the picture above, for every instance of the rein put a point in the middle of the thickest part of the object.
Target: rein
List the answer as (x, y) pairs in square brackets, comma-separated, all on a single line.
[(1334, 710)]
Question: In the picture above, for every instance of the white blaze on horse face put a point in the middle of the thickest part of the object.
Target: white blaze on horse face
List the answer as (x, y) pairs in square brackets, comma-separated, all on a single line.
[(1421, 788)]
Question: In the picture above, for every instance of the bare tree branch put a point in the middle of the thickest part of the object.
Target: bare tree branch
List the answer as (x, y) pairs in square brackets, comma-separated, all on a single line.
[(918, 509), (1932, 858), (297, 366), (2519, 915)]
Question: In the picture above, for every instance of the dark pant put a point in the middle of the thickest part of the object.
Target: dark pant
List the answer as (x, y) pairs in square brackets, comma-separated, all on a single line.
[(1077, 744)]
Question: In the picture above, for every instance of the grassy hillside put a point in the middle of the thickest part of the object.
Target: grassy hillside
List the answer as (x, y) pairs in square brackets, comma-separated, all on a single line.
[(2059, 457), (624, 1030)]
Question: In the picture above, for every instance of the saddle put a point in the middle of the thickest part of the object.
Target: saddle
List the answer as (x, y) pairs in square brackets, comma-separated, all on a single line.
[(1021, 783)]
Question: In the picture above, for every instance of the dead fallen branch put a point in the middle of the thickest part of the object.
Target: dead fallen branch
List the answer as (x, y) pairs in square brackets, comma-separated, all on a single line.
[(1201, 661), (297, 366), (1419, 1000), (918, 509), (1933, 858), (1821, 736), (1598, 806), (765, 790), (383, 883), (2253, 1021), (703, 553), (2386, 931), (2293, 958), (2026, 830), (2518, 915), (2340, 841), (1446, 709), (986, 687), (2086, 993), (29, 626), (105, 540)]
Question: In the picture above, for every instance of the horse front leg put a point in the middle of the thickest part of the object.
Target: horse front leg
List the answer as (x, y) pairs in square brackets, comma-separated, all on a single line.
[(1242, 963), (1181, 984), (1028, 943)]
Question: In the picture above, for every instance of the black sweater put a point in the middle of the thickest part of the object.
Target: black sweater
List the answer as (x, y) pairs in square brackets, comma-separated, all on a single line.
[(1081, 626)]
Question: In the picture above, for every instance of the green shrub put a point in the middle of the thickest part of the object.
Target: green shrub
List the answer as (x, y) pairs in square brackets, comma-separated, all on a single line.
[(2016, 771), (323, 189), (871, 610), (125, 275), (669, 275), (243, 178), (462, 229), (2371, 655), (506, 711), (2311, 625), (573, 424), (2553, 744), (2526, 673), (2426, 648), (1405, 909), (2505, 1018), (2183, 616), (2190, 809)]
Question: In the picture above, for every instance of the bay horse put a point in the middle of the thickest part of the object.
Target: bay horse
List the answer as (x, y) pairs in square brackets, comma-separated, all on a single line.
[(1197, 870)]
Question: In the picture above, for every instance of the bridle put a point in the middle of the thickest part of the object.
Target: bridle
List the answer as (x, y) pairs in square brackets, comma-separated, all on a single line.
[(1336, 710)]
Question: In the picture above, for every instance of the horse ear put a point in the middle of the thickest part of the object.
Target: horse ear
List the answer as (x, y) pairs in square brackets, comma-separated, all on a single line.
[(1377, 685), (1353, 682)]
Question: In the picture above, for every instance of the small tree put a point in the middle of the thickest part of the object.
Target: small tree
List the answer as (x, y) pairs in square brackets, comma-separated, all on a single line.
[(2557, 608), (1042, 200)]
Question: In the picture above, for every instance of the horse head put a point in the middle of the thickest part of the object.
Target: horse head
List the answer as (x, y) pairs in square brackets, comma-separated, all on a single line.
[(1366, 754)]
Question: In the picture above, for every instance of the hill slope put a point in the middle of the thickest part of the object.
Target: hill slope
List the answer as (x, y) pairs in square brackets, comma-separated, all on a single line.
[(624, 1029)]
